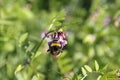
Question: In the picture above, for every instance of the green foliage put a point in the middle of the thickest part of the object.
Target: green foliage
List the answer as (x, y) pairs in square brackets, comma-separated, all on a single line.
[(92, 29), (22, 38), (96, 66)]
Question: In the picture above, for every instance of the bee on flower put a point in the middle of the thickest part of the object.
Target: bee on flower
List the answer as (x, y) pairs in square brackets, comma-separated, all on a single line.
[(56, 42)]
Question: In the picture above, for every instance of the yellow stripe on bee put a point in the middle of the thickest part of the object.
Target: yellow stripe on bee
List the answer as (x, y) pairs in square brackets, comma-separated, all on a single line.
[(55, 44)]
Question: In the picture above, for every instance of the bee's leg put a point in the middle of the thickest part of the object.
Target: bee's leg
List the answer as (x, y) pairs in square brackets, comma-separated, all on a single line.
[(48, 50), (49, 43)]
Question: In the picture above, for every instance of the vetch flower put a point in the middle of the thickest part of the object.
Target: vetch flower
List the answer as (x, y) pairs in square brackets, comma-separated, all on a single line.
[(107, 20)]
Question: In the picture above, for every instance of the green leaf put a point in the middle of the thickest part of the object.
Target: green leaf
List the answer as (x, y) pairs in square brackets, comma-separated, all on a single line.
[(61, 15), (65, 61), (83, 78), (91, 52), (37, 76), (66, 68), (88, 68), (37, 53), (99, 77), (19, 68), (57, 23), (96, 66), (75, 77), (23, 38), (84, 71), (51, 26)]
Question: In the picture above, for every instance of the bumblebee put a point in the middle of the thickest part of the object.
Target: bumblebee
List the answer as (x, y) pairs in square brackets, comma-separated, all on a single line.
[(55, 47)]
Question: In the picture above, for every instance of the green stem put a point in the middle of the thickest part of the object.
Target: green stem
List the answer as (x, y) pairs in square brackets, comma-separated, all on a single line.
[(40, 43)]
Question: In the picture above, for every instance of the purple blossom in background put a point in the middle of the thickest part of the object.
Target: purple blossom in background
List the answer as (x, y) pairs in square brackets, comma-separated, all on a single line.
[(107, 20)]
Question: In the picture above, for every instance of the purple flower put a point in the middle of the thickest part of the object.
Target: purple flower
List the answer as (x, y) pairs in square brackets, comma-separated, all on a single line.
[(60, 36), (107, 20), (48, 37)]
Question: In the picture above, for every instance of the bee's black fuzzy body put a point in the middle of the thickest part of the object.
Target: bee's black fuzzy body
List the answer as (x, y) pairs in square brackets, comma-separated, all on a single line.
[(55, 48)]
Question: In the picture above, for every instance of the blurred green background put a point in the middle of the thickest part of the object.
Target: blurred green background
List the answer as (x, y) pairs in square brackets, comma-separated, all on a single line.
[(92, 52)]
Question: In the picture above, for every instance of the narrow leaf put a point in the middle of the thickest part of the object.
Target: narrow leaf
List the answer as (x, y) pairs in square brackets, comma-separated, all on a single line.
[(75, 77), (96, 66), (23, 37), (83, 78), (99, 77), (88, 68), (19, 68), (37, 53), (83, 71)]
